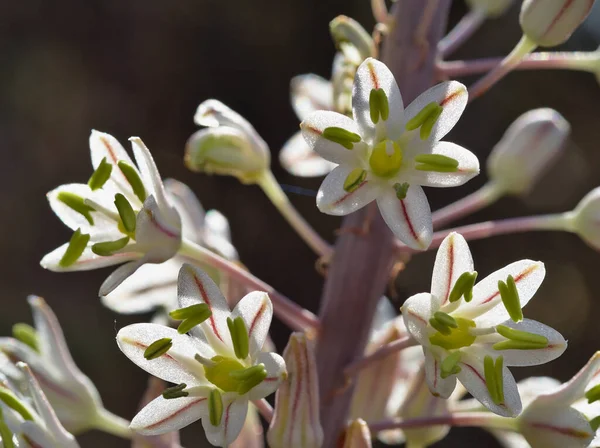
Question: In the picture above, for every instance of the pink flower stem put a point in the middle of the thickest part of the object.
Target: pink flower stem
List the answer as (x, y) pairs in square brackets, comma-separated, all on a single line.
[(477, 200), (461, 32), (265, 409), (285, 309), (388, 349), (481, 419), (494, 228)]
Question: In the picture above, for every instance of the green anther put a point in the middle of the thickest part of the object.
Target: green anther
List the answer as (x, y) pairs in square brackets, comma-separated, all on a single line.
[(386, 159), (158, 348), (191, 316), (76, 203), (125, 212), (463, 287), (219, 373), (253, 381), (27, 335), (445, 319), (449, 365), (107, 248), (427, 126), (510, 298), (459, 337), (436, 162), (595, 423), (5, 433), (239, 337), (498, 370), (494, 378), (215, 407), (593, 394), (101, 175), (341, 136), (134, 180), (246, 374), (175, 392), (354, 180), (418, 120), (401, 190), (518, 345), (378, 105), (521, 336), (77, 245), (439, 326), (14, 403)]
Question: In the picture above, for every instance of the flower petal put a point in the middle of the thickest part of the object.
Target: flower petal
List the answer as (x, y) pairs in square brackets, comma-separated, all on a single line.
[(487, 305), (217, 235), (17, 351), (408, 218), (439, 387), (452, 96), (310, 93), (416, 311), (531, 388), (468, 167), (312, 129), (119, 275), (158, 231), (300, 160), (189, 208), (232, 421), (195, 286), (332, 199), (373, 74), (472, 377), (453, 259), (161, 416), (256, 310), (175, 366), (87, 261), (552, 427), (276, 373), (148, 171)]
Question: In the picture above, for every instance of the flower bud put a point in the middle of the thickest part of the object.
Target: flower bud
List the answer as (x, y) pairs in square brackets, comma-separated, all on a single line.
[(490, 8), (528, 146), (585, 218), (357, 435), (352, 39), (230, 146), (551, 23), (296, 422)]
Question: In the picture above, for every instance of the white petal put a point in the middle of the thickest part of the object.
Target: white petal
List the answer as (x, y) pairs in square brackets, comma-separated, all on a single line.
[(373, 74), (161, 416), (256, 310), (416, 311), (40, 437), (177, 365), (441, 387), (17, 351), (312, 130), (217, 235), (195, 286), (276, 373), (472, 377), (487, 305), (310, 93), (232, 421), (531, 388), (453, 259), (510, 439), (189, 208), (332, 199), (452, 96), (148, 171), (468, 167), (408, 218), (86, 262), (300, 160), (119, 275), (551, 427), (158, 231)]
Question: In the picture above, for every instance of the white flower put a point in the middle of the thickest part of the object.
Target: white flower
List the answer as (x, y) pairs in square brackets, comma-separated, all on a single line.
[(155, 285), (71, 393), (551, 23), (229, 145), (387, 154), (476, 338), (528, 146), (121, 215), (218, 367), (31, 418)]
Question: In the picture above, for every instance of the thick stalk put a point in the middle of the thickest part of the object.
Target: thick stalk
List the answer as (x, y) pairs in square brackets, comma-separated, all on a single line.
[(361, 263)]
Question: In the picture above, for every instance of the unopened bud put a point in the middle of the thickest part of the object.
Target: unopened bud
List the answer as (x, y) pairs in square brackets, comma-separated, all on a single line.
[(526, 149), (352, 39), (490, 8), (296, 422), (551, 23), (585, 218), (357, 435)]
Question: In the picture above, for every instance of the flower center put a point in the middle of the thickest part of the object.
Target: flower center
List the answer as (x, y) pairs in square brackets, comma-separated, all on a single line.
[(220, 373), (386, 158), (457, 338)]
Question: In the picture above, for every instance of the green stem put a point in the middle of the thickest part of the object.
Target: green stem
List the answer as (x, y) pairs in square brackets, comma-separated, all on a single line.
[(110, 423)]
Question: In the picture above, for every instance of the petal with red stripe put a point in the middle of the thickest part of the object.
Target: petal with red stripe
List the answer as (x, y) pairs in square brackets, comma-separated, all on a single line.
[(256, 310), (276, 373), (232, 421), (441, 387), (452, 260), (161, 416), (332, 199)]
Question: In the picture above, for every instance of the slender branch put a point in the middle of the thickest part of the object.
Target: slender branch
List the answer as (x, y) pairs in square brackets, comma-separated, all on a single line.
[(461, 32), (382, 352), (265, 409), (477, 200), (110, 423), (481, 419), (289, 312), (273, 190), (585, 61), (494, 228)]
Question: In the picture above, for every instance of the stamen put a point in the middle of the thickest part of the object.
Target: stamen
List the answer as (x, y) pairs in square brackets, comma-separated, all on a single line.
[(108, 248), (595, 423), (494, 378), (510, 298), (247, 373), (463, 287), (158, 348), (341, 136), (205, 361), (356, 177), (76, 246), (386, 159), (439, 326), (425, 119), (378, 105), (401, 190), (436, 162), (5, 433), (11, 400), (76, 203), (239, 336), (101, 175), (257, 377), (125, 212), (523, 336), (215, 407), (191, 316), (449, 365), (175, 392), (593, 394), (445, 319), (27, 335), (134, 180)]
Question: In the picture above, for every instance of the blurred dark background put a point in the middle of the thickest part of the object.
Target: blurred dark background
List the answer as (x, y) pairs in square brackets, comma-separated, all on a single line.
[(141, 68)]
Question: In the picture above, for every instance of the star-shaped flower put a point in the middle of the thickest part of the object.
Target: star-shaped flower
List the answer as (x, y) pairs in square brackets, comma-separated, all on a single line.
[(121, 215), (475, 332), (386, 154), (218, 367)]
